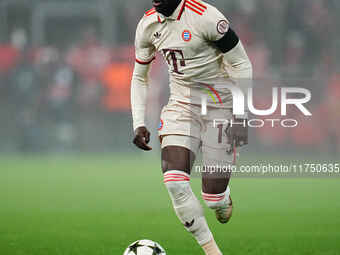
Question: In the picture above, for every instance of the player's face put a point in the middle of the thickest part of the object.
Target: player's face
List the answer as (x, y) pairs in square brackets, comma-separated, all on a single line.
[(165, 7)]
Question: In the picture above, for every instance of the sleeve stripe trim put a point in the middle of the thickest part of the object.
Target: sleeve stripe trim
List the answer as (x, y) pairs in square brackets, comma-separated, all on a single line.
[(151, 10), (144, 62), (203, 6), (150, 13), (197, 7), (194, 10)]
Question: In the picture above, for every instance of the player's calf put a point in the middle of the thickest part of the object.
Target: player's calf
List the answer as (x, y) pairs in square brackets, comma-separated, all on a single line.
[(221, 203)]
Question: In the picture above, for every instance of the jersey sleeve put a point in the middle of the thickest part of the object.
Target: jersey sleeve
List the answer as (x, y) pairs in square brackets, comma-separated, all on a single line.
[(145, 51), (214, 24)]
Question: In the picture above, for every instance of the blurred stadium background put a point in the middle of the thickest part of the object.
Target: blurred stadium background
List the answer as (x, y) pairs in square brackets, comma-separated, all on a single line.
[(65, 69), (71, 182)]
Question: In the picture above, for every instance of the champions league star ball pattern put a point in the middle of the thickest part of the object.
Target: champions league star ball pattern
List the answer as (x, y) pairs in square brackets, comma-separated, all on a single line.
[(144, 247)]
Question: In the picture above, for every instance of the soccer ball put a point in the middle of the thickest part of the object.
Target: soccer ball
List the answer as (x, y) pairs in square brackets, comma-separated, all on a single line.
[(144, 247)]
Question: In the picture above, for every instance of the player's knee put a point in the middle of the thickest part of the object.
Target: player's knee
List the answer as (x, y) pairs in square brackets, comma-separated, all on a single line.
[(177, 158)]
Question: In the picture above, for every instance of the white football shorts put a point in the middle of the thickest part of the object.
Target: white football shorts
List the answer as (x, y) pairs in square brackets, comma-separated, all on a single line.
[(183, 125)]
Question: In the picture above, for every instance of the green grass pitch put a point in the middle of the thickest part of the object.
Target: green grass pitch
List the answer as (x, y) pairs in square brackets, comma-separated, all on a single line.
[(99, 205)]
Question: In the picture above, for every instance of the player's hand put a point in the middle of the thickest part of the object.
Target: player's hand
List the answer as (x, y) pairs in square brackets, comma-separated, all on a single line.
[(142, 138), (237, 134)]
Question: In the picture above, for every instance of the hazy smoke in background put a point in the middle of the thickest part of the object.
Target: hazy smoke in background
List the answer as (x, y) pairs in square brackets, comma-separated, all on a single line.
[(65, 74)]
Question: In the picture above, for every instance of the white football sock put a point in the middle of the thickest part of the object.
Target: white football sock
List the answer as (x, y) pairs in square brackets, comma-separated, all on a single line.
[(215, 201), (187, 206)]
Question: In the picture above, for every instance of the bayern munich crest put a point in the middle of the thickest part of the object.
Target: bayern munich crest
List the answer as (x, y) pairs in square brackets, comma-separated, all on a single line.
[(186, 35)]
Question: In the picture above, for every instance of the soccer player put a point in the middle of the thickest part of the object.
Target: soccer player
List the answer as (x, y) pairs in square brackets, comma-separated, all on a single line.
[(197, 43)]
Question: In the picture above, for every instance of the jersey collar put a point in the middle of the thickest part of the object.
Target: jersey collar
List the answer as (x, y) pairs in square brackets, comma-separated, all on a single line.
[(175, 16)]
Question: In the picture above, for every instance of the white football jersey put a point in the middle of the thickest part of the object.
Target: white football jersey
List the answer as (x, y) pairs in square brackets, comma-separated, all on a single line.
[(185, 41)]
